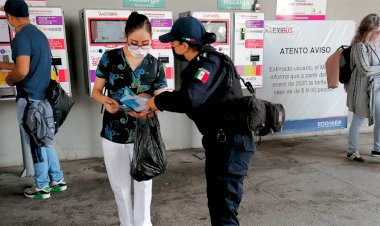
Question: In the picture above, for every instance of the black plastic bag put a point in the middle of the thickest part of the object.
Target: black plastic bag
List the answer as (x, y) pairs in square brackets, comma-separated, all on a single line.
[(60, 102), (149, 158)]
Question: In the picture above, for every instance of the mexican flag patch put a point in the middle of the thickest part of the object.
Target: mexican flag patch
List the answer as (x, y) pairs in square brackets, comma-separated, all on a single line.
[(202, 74)]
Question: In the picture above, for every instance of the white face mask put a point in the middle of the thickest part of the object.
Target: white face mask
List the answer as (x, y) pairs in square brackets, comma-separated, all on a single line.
[(139, 52)]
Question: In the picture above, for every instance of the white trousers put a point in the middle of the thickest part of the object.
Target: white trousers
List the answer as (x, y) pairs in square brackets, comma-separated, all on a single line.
[(118, 158)]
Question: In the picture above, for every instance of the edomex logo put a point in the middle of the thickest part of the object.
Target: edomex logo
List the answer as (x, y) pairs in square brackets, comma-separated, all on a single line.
[(330, 123), (280, 30), (107, 13)]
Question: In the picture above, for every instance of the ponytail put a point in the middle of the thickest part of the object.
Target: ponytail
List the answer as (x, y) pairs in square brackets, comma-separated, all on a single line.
[(208, 38)]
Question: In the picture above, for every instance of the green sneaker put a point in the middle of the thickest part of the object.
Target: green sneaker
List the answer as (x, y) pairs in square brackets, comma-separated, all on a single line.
[(57, 186), (37, 193)]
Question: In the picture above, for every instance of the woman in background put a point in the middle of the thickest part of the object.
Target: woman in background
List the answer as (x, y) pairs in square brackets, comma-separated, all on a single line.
[(363, 91)]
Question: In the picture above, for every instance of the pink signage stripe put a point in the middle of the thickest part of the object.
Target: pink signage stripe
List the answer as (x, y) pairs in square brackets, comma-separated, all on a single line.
[(63, 75), (259, 70), (240, 69), (169, 72), (300, 17), (92, 75)]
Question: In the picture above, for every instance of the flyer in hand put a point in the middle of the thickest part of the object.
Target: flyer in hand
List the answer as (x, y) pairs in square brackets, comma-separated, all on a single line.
[(131, 102)]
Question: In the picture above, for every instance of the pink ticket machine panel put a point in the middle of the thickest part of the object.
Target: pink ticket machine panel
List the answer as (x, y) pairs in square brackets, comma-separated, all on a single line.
[(50, 21), (218, 23), (103, 31), (6, 92), (162, 22), (249, 46)]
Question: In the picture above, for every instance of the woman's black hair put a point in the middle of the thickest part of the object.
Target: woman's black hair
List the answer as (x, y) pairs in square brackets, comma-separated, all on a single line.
[(137, 21), (208, 38)]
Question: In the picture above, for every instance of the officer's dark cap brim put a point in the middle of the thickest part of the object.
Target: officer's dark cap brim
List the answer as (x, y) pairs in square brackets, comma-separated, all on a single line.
[(168, 37)]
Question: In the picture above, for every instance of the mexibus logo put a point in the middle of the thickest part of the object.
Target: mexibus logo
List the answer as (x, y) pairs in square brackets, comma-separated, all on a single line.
[(107, 13), (280, 30)]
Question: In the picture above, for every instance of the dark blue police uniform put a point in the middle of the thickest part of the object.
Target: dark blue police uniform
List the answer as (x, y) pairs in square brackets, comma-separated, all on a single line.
[(229, 144)]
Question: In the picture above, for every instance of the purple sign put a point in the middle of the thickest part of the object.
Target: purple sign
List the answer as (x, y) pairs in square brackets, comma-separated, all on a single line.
[(49, 20), (161, 22), (92, 75), (254, 24)]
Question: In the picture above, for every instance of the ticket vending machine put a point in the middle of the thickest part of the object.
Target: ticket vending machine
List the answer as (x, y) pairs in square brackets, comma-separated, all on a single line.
[(51, 22), (103, 30), (248, 46), (218, 23), (6, 92), (161, 22)]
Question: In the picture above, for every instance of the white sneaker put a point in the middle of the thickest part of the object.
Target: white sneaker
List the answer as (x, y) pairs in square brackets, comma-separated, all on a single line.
[(57, 186), (37, 193), (355, 156)]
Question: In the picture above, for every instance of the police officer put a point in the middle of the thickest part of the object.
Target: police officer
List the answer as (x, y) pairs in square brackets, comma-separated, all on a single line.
[(206, 86)]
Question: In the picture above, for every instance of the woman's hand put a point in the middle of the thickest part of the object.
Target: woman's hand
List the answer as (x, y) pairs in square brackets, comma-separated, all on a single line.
[(150, 105), (111, 105), (144, 114), (147, 96)]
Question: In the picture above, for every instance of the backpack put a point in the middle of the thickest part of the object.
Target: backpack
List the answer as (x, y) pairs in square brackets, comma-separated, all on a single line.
[(338, 67), (275, 119), (344, 64), (60, 102), (263, 117)]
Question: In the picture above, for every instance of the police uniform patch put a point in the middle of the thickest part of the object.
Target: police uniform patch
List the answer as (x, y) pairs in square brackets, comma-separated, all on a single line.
[(202, 75)]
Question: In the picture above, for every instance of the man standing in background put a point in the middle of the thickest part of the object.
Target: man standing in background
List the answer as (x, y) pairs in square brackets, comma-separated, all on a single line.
[(30, 73)]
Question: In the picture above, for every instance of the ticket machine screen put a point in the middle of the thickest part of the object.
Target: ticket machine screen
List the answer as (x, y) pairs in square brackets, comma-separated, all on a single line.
[(5, 36), (217, 27), (107, 31)]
